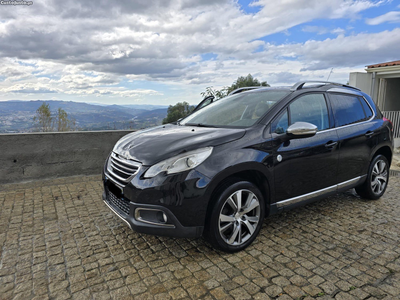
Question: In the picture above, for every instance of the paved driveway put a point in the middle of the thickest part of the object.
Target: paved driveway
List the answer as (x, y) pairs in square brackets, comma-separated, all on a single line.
[(59, 241)]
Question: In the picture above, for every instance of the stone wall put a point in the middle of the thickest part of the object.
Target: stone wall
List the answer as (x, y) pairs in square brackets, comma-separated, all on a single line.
[(34, 156)]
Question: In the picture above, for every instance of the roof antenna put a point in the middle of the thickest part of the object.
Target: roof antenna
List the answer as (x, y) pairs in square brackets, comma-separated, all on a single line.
[(329, 74)]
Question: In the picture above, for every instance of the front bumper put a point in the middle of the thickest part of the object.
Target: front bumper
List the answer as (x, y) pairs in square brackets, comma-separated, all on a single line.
[(126, 209)]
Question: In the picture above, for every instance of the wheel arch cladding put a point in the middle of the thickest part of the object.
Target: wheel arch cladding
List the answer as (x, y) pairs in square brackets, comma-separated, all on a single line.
[(258, 178), (385, 151)]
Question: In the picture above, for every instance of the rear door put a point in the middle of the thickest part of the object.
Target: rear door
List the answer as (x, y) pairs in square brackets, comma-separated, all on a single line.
[(304, 165), (357, 134)]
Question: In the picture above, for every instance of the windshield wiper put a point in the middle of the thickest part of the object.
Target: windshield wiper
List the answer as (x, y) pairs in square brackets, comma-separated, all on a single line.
[(200, 125)]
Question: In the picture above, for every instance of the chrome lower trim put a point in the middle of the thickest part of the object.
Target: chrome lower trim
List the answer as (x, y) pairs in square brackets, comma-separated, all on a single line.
[(321, 192), (350, 182), (118, 215), (306, 196)]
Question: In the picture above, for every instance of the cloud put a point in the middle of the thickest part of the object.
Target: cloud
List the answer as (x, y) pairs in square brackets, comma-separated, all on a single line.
[(89, 48), (122, 37), (338, 31), (349, 51), (391, 17), (28, 88), (284, 77), (115, 92)]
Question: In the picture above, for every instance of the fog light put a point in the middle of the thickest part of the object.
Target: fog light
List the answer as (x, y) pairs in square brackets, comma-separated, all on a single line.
[(151, 216), (162, 217)]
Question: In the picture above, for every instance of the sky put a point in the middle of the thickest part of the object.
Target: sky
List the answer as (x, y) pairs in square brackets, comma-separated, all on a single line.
[(168, 51)]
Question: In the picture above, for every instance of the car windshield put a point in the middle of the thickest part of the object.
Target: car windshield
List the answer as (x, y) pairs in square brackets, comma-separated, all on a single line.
[(240, 110)]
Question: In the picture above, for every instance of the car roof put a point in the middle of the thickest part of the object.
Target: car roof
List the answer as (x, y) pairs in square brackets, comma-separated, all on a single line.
[(304, 85)]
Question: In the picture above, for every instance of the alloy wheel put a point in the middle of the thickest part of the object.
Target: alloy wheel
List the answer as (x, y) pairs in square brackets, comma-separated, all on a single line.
[(379, 177), (239, 217)]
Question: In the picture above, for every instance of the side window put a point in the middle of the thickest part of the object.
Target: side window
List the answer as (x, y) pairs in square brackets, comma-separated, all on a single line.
[(367, 109), (280, 125), (347, 109), (208, 101), (310, 108)]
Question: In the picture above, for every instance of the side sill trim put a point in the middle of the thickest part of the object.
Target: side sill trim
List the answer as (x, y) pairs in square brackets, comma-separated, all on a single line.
[(308, 196), (349, 182), (118, 215)]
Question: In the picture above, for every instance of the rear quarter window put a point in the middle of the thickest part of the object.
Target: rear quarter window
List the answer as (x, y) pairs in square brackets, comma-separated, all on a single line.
[(367, 109), (348, 109)]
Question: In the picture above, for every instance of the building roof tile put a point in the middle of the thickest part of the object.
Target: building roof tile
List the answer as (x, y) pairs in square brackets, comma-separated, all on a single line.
[(386, 64)]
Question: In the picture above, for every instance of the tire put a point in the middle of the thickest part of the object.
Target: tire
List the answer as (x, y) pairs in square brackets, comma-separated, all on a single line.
[(377, 179), (236, 217)]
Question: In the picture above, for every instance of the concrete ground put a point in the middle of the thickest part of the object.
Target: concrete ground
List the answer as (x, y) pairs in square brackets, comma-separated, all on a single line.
[(59, 241)]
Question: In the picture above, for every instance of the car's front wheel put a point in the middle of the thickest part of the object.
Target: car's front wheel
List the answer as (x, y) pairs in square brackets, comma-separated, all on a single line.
[(377, 179), (236, 217)]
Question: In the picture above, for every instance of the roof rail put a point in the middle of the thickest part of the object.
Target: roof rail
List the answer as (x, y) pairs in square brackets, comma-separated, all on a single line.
[(299, 85), (242, 89)]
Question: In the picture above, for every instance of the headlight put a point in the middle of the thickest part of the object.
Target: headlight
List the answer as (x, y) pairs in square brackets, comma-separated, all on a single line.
[(180, 163)]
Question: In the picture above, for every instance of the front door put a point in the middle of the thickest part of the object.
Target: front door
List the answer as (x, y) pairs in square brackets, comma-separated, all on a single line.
[(304, 165)]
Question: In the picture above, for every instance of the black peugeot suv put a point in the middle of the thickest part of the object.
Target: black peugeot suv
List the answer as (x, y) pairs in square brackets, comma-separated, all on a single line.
[(222, 169)]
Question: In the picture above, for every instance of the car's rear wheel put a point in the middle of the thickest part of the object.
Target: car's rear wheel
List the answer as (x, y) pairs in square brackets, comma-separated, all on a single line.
[(236, 217), (377, 179)]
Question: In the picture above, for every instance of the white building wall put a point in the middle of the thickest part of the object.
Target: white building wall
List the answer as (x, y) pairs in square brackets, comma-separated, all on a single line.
[(363, 81)]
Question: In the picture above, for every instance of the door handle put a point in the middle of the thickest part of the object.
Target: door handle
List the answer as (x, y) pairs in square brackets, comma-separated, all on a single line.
[(369, 133), (330, 144)]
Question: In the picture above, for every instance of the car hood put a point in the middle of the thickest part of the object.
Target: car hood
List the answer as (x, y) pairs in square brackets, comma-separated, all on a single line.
[(153, 145)]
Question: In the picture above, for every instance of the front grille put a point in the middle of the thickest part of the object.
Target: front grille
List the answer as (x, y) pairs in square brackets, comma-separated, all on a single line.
[(122, 169), (121, 204)]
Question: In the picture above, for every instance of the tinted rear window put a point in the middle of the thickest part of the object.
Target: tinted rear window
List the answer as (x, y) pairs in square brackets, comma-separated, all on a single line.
[(347, 109)]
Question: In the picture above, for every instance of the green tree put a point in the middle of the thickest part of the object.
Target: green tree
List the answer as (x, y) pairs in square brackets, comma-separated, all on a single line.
[(45, 122), (218, 94), (177, 111), (63, 123), (43, 119), (242, 81)]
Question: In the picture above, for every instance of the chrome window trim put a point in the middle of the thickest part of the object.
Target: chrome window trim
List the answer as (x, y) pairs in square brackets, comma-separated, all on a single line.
[(344, 91), (358, 123), (333, 128), (317, 193)]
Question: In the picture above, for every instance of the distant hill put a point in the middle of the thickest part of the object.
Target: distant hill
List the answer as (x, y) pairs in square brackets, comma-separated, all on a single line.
[(17, 116), (156, 113), (145, 106)]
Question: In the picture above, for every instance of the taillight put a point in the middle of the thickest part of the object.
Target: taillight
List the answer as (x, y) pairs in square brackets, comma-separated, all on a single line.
[(384, 119)]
